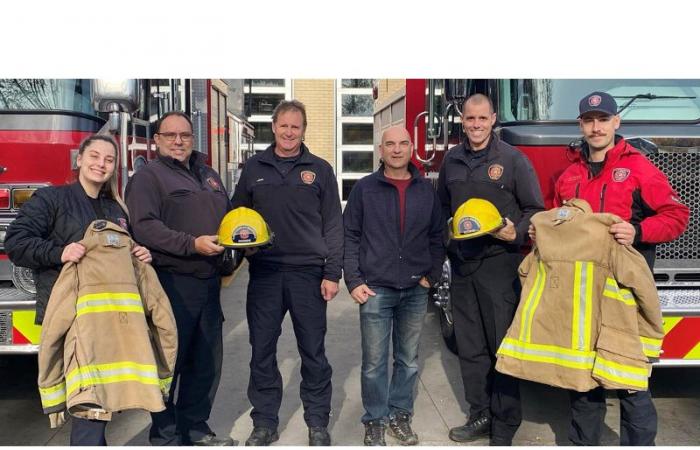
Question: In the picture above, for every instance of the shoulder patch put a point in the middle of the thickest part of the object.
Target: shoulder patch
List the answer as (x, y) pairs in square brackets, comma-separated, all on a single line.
[(620, 174), (213, 183), (123, 224), (112, 240), (100, 225), (308, 176)]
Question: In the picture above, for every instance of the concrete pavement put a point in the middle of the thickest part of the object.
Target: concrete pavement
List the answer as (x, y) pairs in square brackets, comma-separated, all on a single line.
[(439, 401)]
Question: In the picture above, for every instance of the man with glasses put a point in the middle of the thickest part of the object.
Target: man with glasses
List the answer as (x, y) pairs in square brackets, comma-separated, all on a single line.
[(393, 254), (176, 204)]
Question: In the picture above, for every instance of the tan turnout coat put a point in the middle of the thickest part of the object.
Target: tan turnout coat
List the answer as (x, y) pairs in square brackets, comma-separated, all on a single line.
[(589, 312), (109, 339)]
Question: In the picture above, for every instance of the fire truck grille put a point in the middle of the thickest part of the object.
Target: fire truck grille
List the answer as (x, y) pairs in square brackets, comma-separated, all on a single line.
[(5, 327), (683, 171)]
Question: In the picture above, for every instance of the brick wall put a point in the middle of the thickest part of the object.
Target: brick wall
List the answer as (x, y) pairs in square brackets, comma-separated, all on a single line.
[(387, 87), (319, 97)]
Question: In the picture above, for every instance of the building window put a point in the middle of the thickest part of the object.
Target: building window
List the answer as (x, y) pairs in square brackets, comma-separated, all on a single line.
[(354, 130), (261, 98)]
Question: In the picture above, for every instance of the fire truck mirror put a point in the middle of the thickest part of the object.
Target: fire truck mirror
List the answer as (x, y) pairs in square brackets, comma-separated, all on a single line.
[(124, 93)]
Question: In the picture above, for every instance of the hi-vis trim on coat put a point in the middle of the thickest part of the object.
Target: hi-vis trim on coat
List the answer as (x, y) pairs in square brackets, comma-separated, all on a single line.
[(612, 290), (651, 346), (621, 373), (109, 302), (118, 372), (531, 303), (581, 318), (53, 396), (551, 354)]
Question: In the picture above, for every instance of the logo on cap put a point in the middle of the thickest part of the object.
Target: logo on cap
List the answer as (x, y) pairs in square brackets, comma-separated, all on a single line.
[(468, 225), (594, 100), (243, 234)]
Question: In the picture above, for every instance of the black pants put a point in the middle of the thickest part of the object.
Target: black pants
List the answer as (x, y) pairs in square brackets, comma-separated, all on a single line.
[(638, 420), (197, 307), (86, 432), (484, 298), (271, 293)]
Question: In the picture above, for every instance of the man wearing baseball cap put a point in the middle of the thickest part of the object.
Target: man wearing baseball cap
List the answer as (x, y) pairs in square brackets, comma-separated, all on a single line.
[(614, 177)]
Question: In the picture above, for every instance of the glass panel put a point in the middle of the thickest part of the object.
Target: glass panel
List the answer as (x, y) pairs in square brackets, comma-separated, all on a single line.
[(347, 187), (357, 161), (357, 83), (71, 95), (269, 82), (549, 99), (264, 104), (357, 134), (357, 105), (263, 133)]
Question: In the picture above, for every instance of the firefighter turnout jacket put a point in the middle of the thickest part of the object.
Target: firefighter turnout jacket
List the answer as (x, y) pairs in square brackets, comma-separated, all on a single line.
[(109, 339), (589, 312)]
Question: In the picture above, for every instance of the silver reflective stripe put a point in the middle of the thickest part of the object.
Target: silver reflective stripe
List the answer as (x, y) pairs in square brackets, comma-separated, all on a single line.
[(602, 366), (582, 308), (588, 360), (61, 393), (92, 374), (124, 302)]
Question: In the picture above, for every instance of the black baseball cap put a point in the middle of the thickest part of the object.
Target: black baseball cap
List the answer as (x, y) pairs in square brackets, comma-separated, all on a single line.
[(599, 102)]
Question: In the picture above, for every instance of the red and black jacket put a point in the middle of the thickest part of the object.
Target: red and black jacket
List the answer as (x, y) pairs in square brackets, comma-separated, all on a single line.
[(630, 186)]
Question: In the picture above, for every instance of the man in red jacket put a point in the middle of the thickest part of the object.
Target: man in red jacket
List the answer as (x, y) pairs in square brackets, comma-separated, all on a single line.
[(614, 177)]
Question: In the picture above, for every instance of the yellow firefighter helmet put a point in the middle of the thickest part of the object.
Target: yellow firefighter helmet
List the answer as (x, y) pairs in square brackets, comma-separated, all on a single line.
[(244, 228), (475, 217)]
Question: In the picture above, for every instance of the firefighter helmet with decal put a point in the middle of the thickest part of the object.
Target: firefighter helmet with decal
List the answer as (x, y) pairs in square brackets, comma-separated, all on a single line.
[(244, 228), (475, 217)]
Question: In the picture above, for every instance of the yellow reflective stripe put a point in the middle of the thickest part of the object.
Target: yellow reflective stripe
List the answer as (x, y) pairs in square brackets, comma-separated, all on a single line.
[(588, 307), (533, 299), (651, 346), (612, 290), (621, 373), (109, 302), (54, 395), (550, 354), (165, 384), (582, 306), (111, 373)]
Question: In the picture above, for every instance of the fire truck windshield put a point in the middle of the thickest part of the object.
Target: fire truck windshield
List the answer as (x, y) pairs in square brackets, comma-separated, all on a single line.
[(557, 100), (46, 94)]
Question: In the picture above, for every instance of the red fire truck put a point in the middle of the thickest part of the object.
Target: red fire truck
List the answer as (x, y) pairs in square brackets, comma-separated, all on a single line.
[(659, 117), (43, 121)]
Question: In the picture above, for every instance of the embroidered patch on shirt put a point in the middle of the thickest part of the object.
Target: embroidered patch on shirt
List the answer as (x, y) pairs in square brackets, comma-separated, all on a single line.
[(495, 171), (123, 224), (620, 175), (308, 176), (213, 183)]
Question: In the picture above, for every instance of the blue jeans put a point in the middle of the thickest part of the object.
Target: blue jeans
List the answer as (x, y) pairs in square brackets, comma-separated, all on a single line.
[(398, 312)]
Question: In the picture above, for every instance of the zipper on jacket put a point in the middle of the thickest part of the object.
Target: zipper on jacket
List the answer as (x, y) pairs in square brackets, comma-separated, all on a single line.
[(578, 185), (602, 197)]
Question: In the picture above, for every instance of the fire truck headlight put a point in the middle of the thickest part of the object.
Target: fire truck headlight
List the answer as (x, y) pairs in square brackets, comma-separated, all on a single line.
[(20, 196), (23, 279)]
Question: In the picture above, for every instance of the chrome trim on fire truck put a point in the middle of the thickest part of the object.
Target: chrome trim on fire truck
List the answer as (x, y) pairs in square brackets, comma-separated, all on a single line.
[(19, 349)]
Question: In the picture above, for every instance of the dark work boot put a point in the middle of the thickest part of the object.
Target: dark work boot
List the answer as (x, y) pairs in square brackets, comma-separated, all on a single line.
[(262, 437), (400, 428), (318, 436), (475, 428)]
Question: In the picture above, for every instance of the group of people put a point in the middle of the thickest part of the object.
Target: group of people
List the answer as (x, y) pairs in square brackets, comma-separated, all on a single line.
[(389, 244)]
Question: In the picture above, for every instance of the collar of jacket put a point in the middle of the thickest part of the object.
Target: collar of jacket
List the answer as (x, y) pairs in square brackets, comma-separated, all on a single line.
[(412, 169), (621, 148), (196, 160), (578, 203), (492, 149), (268, 156), (101, 225), (79, 190)]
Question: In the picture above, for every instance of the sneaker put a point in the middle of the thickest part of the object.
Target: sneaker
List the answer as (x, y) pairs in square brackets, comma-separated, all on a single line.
[(262, 437), (318, 436), (475, 428), (374, 433), (400, 428)]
